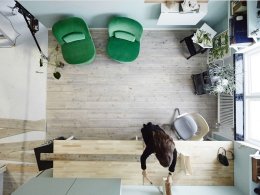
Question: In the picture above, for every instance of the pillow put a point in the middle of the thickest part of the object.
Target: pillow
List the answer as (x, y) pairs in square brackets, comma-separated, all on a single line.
[(185, 126), (125, 35), (74, 36)]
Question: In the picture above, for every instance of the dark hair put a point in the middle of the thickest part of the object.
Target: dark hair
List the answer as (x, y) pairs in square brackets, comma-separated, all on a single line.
[(164, 147)]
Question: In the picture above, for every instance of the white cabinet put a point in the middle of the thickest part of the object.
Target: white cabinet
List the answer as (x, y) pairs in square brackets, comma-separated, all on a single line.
[(172, 16)]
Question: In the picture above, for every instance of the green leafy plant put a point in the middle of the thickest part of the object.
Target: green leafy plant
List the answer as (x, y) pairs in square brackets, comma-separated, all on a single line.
[(222, 78), (57, 63), (202, 37)]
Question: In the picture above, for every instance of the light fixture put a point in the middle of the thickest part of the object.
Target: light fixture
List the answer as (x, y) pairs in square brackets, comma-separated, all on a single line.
[(33, 25)]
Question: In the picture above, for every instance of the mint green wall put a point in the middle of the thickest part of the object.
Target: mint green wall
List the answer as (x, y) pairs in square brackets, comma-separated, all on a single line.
[(97, 13), (222, 25), (243, 169)]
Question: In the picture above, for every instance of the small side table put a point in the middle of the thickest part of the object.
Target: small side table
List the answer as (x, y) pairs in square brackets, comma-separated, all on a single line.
[(191, 47), (192, 40), (205, 28), (201, 82)]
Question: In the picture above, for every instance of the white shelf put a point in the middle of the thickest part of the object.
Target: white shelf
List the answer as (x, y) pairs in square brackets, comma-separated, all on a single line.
[(173, 17)]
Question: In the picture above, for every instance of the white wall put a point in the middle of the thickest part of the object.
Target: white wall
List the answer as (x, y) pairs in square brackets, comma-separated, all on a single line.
[(98, 12), (243, 168), (22, 90)]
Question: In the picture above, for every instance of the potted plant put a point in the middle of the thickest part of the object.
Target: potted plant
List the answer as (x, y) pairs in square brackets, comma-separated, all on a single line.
[(53, 60), (202, 38), (222, 79)]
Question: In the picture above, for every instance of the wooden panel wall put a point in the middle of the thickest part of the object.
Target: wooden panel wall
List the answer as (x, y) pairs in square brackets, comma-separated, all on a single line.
[(203, 156), (18, 155), (109, 100)]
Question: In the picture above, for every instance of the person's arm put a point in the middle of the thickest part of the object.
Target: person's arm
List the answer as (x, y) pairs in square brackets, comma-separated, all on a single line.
[(174, 160), (147, 152)]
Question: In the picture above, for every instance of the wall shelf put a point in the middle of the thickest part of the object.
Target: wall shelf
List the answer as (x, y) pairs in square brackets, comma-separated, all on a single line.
[(172, 16)]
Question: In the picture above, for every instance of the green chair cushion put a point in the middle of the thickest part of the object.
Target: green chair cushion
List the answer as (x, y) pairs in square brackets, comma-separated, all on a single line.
[(122, 50), (79, 52), (75, 39), (125, 35), (74, 36)]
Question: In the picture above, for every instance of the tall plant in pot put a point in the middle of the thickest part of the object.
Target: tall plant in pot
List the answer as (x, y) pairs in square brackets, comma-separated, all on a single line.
[(203, 38), (54, 60), (222, 78)]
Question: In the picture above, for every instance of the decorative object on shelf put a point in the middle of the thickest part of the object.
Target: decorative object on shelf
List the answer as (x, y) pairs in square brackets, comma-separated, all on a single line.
[(174, 14), (190, 6), (220, 48), (222, 78), (169, 4)]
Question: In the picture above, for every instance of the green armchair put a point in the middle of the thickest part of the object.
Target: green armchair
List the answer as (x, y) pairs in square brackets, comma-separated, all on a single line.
[(124, 39), (76, 42)]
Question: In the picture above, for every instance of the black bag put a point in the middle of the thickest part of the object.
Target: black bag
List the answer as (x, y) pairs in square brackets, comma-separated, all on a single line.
[(222, 156)]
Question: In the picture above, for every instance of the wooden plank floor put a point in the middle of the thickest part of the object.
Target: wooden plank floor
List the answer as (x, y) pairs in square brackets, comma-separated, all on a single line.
[(18, 153), (205, 168), (109, 100)]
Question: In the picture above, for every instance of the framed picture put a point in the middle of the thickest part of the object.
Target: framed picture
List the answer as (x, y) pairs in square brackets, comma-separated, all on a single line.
[(220, 48)]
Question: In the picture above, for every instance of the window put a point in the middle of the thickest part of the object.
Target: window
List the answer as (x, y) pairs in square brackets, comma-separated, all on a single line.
[(252, 96)]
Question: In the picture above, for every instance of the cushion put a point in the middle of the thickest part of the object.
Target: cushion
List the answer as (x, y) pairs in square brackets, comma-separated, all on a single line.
[(78, 52), (185, 126), (74, 36), (125, 35), (122, 50)]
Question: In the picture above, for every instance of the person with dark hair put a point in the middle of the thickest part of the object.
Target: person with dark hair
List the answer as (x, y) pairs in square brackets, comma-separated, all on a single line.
[(160, 143)]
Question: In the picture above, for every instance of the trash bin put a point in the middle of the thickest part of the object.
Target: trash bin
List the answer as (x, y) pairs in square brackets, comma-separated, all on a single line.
[(2, 170)]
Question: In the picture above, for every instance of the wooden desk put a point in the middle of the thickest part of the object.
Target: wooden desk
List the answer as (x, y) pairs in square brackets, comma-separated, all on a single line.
[(207, 170)]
